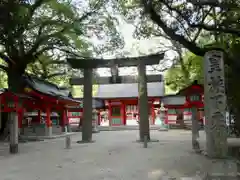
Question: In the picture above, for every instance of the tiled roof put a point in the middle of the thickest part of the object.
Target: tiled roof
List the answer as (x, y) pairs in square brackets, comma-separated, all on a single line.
[(174, 100), (2, 91), (189, 89), (111, 91), (96, 103), (47, 88)]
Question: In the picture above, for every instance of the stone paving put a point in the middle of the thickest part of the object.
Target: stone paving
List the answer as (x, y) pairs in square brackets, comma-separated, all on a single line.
[(114, 156)]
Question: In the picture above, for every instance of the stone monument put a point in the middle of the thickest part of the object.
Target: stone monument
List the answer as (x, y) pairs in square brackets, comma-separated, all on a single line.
[(215, 104)]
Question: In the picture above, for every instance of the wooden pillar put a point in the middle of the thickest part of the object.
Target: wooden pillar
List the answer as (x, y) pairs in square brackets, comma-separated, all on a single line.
[(20, 118), (13, 122), (166, 117), (215, 105), (48, 123), (110, 114), (64, 120), (67, 118), (143, 102), (153, 112), (99, 118), (39, 116), (123, 113), (67, 125), (87, 106)]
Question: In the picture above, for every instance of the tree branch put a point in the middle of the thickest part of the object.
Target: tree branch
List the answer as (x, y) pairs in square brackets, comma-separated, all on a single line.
[(32, 9), (56, 62), (201, 25), (214, 28), (192, 46), (6, 58), (55, 74), (42, 39), (36, 5), (215, 3)]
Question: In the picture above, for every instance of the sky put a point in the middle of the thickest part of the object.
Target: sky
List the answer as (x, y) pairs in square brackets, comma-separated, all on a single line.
[(134, 46), (145, 46)]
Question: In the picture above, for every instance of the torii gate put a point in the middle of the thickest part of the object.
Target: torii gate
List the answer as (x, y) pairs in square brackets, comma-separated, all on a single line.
[(87, 64)]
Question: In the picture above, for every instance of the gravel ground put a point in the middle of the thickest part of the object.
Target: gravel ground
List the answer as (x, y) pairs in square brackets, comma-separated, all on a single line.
[(114, 156)]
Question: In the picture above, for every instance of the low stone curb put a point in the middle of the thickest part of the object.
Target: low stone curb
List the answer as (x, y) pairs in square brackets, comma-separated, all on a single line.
[(163, 129), (46, 137)]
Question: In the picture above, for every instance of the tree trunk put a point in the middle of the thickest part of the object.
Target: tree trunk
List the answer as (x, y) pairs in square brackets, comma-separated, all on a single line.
[(15, 81), (143, 102), (87, 107), (15, 85)]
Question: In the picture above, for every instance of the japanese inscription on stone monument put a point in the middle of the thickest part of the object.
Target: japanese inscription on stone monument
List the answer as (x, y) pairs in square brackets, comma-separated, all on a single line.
[(216, 85), (215, 101)]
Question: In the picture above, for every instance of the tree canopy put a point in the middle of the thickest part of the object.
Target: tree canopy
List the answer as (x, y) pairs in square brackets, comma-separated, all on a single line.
[(43, 28), (183, 74)]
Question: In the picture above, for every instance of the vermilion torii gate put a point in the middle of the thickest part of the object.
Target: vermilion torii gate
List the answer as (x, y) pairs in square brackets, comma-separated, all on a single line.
[(87, 64)]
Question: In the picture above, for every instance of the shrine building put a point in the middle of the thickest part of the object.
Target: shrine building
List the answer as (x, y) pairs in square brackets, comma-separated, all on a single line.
[(45, 109), (41, 107), (118, 105)]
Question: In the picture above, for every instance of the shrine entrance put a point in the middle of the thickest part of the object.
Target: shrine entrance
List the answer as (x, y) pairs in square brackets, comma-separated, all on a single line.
[(88, 64)]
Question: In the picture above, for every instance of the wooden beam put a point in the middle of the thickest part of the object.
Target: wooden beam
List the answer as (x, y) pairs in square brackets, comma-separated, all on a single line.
[(122, 79), (83, 63)]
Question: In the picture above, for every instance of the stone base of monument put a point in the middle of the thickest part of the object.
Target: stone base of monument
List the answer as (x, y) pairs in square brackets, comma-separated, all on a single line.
[(222, 169)]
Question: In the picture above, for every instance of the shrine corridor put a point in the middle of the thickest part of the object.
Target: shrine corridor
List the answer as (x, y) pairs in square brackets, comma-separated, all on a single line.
[(114, 156)]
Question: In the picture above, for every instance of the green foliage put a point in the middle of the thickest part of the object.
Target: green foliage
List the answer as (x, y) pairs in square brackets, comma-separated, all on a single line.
[(55, 73), (77, 91), (199, 26), (3, 75), (55, 28), (183, 74)]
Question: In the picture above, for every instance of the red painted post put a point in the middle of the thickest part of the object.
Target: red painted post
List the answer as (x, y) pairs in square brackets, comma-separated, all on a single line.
[(153, 113), (123, 113), (110, 114), (20, 118), (68, 114), (64, 118), (99, 118), (48, 122), (166, 117), (48, 117), (39, 116)]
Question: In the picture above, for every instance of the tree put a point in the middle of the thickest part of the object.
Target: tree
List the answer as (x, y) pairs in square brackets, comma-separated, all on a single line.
[(47, 26), (183, 74), (58, 74), (187, 21), (42, 33), (215, 18)]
